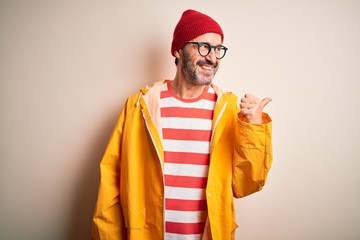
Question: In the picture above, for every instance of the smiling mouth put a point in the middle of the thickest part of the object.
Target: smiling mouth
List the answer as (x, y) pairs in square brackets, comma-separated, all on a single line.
[(207, 68), (206, 65)]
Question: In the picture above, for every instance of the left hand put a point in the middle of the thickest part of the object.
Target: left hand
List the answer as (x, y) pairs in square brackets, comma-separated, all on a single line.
[(252, 108)]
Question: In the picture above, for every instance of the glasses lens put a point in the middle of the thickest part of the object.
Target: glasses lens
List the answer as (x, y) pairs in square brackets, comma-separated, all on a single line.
[(220, 51), (204, 49)]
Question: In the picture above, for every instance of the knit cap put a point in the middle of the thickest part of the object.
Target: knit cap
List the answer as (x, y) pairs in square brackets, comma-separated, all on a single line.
[(191, 25)]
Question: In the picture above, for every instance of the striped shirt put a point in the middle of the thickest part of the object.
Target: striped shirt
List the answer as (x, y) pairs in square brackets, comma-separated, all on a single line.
[(186, 130)]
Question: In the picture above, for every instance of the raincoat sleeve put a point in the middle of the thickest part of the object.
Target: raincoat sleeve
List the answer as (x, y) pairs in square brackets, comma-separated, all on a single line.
[(252, 155), (108, 221)]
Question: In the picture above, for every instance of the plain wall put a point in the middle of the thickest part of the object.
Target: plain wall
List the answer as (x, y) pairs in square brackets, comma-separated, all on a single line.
[(67, 67)]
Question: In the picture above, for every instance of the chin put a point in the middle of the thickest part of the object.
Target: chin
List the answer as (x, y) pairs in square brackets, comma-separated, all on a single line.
[(205, 80), (202, 81)]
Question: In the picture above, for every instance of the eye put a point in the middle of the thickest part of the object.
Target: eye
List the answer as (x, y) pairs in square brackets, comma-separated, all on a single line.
[(219, 48), (204, 46)]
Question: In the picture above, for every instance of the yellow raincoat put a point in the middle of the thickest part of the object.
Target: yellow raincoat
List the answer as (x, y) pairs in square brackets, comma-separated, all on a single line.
[(130, 202)]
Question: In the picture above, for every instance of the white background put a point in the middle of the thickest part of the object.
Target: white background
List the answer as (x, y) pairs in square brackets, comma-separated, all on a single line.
[(66, 68)]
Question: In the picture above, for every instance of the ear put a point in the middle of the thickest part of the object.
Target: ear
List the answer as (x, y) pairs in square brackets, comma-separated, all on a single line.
[(177, 53)]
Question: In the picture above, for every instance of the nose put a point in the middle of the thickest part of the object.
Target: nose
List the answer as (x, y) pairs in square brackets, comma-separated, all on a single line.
[(211, 56)]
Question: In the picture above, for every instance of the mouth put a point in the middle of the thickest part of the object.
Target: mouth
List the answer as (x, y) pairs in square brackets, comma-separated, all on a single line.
[(208, 68)]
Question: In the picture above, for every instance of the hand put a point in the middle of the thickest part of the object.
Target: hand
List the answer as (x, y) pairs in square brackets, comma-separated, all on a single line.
[(252, 108)]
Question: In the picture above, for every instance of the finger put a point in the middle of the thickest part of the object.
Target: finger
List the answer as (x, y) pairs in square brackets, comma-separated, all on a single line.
[(251, 98), (246, 105), (245, 100), (265, 101), (248, 95)]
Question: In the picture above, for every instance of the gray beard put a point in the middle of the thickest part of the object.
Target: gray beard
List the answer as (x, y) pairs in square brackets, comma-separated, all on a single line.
[(191, 73)]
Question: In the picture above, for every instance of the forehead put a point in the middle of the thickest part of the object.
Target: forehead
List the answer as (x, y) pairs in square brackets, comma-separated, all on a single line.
[(212, 38)]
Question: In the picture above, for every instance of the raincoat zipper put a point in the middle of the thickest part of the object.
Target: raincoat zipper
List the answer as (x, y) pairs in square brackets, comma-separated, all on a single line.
[(218, 119), (152, 138), (162, 170)]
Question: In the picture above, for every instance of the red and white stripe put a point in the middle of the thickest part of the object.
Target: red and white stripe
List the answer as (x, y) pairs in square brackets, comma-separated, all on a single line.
[(186, 137)]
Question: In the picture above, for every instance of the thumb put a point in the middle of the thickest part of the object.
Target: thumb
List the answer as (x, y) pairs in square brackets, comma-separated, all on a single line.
[(265, 101)]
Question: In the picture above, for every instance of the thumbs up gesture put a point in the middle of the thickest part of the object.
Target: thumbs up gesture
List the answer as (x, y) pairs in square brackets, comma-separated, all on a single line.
[(252, 108)]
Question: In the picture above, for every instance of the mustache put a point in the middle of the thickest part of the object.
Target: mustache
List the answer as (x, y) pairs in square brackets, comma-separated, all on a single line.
[(206, 62)]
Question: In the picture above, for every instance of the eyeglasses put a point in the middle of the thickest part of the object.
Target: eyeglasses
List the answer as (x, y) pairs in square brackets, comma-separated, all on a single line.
[(204, 49)]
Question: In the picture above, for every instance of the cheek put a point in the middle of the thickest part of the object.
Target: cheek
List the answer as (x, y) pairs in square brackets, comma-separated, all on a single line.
[(193, 57), (192, 63)]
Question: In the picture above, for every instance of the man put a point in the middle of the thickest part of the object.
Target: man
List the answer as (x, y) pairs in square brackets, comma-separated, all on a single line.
[(182, 150)]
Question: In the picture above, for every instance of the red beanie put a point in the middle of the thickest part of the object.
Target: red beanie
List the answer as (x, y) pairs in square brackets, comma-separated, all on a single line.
[(191, 25)]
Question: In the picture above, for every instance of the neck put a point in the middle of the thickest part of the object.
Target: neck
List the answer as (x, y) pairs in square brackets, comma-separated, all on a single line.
[(185, 89)]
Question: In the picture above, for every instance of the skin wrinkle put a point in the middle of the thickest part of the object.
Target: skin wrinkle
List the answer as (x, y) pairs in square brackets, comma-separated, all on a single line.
[(235, 132), (195, 72), (192, 73)]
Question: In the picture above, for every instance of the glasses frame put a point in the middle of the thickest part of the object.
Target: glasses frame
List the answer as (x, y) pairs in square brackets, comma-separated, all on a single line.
[(199, 44)]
